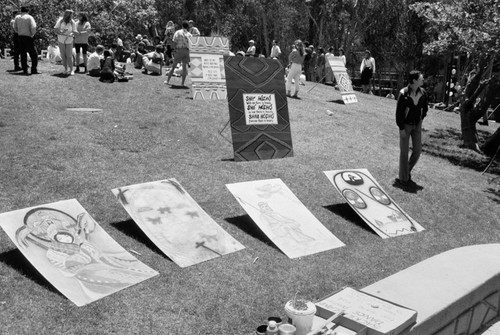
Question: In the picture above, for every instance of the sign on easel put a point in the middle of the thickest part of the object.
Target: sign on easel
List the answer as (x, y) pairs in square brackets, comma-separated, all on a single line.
[(343, 80), (207, 67), (258, 108)]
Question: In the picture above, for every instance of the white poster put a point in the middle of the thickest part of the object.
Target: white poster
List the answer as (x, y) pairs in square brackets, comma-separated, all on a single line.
[(283, 218), (211, 66), (175, 223), (64, 243), (373, 205), (260, 108)]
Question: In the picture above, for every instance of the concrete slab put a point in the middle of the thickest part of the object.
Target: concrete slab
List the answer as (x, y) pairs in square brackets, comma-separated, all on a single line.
[(455, 292)]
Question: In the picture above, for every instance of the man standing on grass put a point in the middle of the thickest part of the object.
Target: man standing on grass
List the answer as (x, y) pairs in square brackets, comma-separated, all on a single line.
[(15, 43), (410, 111), (25, 27), (181, 54)]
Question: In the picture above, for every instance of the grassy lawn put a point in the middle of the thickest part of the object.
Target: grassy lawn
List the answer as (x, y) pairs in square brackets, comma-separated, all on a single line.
[(147, 131)]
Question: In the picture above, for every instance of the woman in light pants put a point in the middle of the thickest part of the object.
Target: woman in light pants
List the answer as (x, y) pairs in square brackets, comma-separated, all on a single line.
[(296, 58), (65, 29)]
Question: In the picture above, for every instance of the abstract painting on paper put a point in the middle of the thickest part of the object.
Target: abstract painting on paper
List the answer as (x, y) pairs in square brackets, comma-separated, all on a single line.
[(64, 243), (175, 223)]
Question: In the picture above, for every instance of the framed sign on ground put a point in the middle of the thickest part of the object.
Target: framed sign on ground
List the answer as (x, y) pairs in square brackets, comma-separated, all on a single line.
[(207, 67), (258, 108), (342, 78)]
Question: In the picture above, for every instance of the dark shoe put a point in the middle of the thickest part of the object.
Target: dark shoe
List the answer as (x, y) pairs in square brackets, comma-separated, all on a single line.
[(145, 71), (26, 73), (77, 70), (17, 68)]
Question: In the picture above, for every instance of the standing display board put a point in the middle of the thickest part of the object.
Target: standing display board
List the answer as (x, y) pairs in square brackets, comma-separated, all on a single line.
[(64, 243), (373, 205), (283, 218), (175, 223), (207, 67), (258, 108), (342, 78)]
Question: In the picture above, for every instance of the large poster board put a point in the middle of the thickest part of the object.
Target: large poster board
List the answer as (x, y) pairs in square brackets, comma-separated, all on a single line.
[(207, 67), (258, 108), (342, 78), (372, 203), (175, 223), (283, 218), (64, 243)]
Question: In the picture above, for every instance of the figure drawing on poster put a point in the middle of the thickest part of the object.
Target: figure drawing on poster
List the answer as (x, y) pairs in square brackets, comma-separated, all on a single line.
[(283, 218)]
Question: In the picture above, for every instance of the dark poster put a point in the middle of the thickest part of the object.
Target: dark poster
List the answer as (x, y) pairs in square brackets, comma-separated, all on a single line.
[(258, 108)]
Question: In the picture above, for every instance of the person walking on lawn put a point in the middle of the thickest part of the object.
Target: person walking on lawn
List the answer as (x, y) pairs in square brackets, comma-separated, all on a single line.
[(410, 112), (181, 54)]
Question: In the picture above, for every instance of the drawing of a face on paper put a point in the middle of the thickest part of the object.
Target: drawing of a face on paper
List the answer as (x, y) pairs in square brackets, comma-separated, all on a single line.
[(368, 199), (177, 225), (74, 254)]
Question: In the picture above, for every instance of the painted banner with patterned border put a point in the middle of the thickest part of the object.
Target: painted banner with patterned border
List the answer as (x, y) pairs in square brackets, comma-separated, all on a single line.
[(261, 131), (207, 67), (342, 78)]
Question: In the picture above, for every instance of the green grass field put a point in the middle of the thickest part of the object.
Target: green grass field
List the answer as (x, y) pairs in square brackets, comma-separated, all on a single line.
[(147, 131)]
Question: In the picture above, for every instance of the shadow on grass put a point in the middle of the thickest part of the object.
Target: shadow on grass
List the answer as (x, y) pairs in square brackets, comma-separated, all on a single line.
[(446, 143), (345, 211), (338, 101), (16, 260), (130, 228), (247, 225), (496, 194)]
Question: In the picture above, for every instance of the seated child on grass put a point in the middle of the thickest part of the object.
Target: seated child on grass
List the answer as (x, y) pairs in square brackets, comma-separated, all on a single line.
[(94, 61), (107, 68), (53, 52)]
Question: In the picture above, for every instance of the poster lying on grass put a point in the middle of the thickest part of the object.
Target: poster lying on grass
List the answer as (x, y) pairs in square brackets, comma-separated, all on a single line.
[(372, 203), (175, 223), (283, 218), (258, 108), (64, 243), (207, 67), (342, 79)]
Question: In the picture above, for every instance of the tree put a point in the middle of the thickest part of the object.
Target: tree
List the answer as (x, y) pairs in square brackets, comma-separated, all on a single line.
[(471, 27)]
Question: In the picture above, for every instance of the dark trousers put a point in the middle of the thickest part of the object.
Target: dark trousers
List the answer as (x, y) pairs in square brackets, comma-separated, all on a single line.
[(15, 50), (27, 46)]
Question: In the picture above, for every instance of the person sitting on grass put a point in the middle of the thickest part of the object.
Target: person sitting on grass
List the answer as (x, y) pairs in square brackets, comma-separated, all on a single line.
[(94, 61), (53, 52), (153, 61), (107, 68), (136, 56)]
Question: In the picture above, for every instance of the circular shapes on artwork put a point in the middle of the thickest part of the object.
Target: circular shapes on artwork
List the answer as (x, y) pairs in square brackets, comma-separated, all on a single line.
[(352, 178), (354, 199), (380, 196)]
